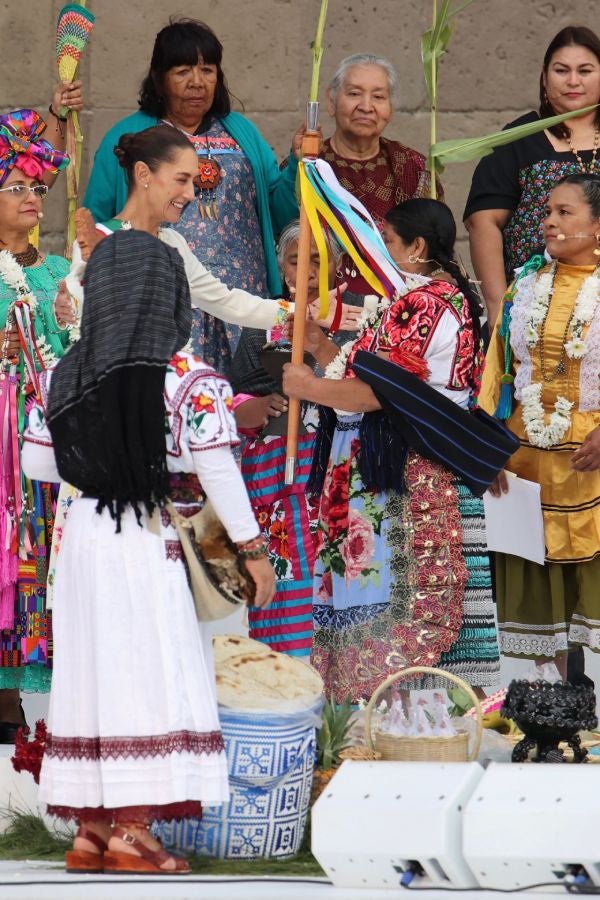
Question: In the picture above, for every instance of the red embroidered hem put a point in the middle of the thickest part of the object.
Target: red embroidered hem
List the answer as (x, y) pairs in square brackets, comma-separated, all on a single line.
[(103, 748), (168, 812)]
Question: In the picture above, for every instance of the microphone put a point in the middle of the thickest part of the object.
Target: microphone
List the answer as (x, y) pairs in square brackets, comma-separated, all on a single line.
[(573, 237), (40, 215)]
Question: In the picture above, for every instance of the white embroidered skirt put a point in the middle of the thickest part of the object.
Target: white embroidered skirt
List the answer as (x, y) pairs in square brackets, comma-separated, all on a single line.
[(133, 716)]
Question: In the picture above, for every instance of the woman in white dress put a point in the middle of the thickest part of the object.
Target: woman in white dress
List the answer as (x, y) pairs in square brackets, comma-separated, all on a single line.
[(133, 730)]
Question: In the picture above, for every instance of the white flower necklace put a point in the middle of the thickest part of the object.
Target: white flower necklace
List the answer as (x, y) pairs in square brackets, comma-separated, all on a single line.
[(541, 433), (337, 367), (13, 276), (11, 272), (583, 311)]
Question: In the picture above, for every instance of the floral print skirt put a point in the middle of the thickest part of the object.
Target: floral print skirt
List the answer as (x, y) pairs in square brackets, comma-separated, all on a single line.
[(392, 576)]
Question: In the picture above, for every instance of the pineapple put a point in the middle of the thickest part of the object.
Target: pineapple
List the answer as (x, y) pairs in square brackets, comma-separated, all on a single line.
[(332, 738)]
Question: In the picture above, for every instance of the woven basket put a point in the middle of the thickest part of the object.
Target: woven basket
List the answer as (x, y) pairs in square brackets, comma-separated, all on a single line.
[(360, 754), (423, 749)]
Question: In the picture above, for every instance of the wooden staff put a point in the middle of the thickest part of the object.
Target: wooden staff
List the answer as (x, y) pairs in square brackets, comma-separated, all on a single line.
[(310, 148)]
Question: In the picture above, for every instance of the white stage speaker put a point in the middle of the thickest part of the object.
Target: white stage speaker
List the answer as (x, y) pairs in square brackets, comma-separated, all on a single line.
[(533, 823), (375, 819)]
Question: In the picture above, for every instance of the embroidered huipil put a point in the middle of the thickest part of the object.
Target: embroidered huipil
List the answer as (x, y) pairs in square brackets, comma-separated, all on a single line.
[(403, 579)]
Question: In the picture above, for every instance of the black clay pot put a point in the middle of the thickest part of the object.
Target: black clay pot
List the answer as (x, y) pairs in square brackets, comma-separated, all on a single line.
[(547, 714)]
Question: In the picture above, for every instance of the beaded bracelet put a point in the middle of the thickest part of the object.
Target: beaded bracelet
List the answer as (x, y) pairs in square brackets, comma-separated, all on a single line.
[(56, 115), (255, 553)]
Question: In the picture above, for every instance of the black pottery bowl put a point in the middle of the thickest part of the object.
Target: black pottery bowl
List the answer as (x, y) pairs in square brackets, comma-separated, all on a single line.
[(548, 713)]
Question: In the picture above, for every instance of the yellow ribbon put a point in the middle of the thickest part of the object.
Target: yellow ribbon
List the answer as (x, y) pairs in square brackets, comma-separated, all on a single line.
[(314, 204), (317, 233)]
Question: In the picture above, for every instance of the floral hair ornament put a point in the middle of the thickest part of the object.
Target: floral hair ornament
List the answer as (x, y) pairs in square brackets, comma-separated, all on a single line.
[(21, 146)]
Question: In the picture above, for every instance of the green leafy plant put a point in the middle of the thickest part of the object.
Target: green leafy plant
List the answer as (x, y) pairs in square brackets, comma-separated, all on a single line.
[(465, 149), (434, 43), (461, 702), (317, 51), (332, 736)]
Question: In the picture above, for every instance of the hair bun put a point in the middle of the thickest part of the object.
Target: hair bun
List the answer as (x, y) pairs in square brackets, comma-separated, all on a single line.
[(123, 149)]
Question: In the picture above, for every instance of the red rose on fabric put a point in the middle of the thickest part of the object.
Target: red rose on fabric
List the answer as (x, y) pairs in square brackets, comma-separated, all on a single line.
[(338, 500), (359, 545)]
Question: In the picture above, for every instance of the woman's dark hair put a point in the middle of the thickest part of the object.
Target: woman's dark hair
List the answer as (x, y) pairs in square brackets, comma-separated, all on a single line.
[(433, 221), (182, 43), (571, 36), (590, 185), (152, 146)]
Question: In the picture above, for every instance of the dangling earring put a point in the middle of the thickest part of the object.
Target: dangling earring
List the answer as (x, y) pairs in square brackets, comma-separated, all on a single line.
[(597, 247), (339, 274)]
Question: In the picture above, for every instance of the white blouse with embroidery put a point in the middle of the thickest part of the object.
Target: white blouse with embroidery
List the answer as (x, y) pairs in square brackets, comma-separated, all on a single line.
[(201, 430)]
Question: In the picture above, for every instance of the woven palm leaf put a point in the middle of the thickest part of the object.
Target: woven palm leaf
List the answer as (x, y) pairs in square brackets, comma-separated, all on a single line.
[(72, 33)]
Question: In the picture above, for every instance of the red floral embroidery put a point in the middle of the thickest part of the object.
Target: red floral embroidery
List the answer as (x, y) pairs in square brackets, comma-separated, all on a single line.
[(100, 748), (181, 364), (167, 812), (202, 403), (279, 538), (407, 326)]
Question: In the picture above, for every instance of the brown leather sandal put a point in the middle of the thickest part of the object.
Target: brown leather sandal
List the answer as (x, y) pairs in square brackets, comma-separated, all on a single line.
[(86, 860), (148, 862)]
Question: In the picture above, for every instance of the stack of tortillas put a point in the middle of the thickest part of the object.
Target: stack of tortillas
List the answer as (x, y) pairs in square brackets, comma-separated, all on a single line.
[(251, 676)]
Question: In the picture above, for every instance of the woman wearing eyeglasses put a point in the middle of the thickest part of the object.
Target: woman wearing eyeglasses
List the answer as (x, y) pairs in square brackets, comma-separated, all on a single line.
[(30, 339)]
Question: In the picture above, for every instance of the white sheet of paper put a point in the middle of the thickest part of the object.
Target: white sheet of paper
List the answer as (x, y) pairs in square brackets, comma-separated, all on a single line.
[(514, 523)]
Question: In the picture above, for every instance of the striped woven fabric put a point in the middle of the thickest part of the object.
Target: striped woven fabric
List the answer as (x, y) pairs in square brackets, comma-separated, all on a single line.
[(287, 517)]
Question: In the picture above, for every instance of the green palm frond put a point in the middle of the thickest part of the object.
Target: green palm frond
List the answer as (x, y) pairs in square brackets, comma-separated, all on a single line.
[(317, 51), (466, 149), (434, 42)]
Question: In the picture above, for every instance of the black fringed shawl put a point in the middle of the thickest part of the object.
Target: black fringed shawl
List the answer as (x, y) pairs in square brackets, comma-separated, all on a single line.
[(381, 458), (106, 409)]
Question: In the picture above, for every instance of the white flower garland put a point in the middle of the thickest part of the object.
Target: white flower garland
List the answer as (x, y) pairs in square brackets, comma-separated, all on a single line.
[(11, 272), (337, 367), (13, 276), (583, 311), (541, 433)]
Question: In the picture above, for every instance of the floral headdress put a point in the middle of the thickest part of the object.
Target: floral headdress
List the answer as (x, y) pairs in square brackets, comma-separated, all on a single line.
[(21, 146)]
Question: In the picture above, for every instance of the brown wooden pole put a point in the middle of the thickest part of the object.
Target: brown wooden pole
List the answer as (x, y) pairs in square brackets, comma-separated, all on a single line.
[(310, 147)]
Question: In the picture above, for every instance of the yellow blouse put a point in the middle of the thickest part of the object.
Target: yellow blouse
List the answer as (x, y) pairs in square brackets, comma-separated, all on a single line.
[(570, 499)]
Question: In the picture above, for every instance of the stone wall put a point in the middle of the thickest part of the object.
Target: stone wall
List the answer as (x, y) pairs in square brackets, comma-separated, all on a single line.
[(489, 76)]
